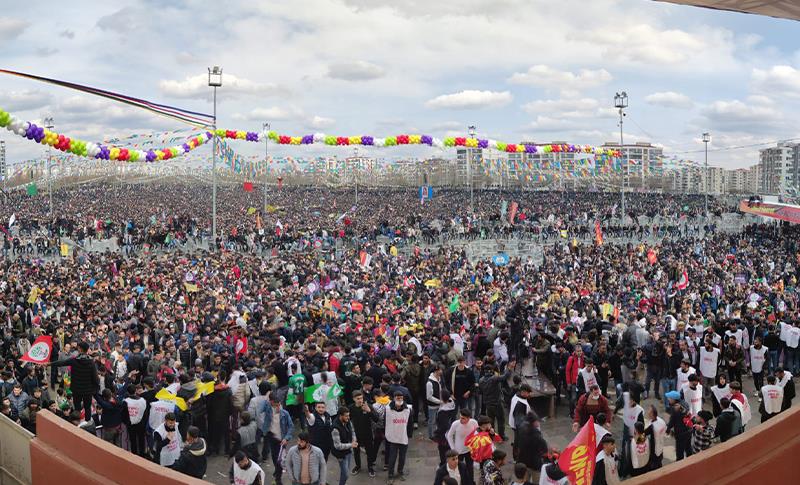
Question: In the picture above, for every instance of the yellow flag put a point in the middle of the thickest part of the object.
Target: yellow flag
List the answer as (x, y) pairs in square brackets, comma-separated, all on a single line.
[(191, 287), (271, 208), (204, 389), (433, 283), (564, 233), (64, 250), (494, 297), (251, 211), (165, 395), (606, 309), (34, 295), (393, 251)]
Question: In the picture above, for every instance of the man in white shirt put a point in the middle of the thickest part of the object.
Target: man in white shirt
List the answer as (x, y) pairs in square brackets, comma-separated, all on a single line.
[(758, 357), (456, 436), (709, 361)]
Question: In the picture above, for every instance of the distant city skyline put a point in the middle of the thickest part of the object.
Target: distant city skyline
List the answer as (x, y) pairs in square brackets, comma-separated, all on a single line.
[(518, 70)]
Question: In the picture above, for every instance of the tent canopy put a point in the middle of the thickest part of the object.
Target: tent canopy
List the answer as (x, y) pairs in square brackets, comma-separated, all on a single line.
[(785, 9)]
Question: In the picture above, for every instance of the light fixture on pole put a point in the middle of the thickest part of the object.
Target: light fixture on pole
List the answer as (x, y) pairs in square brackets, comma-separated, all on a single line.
[(214, 81), (48, 123), (621, 102), (266, 162), (3, 168), (706, 141), (472, 130)]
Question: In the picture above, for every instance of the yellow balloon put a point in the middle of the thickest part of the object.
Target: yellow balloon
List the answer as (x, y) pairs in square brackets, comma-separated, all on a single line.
[(113, 153), (472, 142), (241, 135), (414, 139), (354, 140), (295, 140), (159, 155)]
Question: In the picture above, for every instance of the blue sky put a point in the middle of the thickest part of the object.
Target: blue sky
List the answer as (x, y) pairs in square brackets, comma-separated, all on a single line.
[(518, 69)]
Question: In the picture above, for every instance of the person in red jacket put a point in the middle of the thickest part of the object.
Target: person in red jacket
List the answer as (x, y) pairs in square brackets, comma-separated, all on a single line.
[(590, 404), (575, 363)]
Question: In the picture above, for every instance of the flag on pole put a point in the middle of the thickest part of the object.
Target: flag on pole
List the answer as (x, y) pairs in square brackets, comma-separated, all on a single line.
[(248, 186), (165, 395), (364, 258), (64, 250), (40, 351), (241, 346), (578, 458), (513, 212), (356, 306), (32, 189), (651, 256), (455, 305), (598, 233), (12, 220), (683, 281)]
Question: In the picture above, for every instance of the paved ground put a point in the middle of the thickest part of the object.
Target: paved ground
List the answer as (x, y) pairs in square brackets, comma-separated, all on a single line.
[(423, 457)]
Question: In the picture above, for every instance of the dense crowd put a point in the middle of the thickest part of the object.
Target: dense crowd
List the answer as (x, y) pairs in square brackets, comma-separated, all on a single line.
[(179, 355)]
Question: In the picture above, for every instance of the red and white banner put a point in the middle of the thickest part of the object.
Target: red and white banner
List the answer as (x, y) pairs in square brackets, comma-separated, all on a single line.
[(683, 281), (578, 458), (512, 213), (241, 345), (40, 351)]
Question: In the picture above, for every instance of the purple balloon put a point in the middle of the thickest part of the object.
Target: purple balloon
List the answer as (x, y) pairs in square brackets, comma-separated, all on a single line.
[(426, 140), (367, 140), (483, 143), (150, 156), (307, 140), (30, 132), (530, 148), (186, 148), (209, 135)]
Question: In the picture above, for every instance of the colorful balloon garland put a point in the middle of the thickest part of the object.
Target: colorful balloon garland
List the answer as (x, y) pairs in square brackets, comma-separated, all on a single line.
[(107, 152)]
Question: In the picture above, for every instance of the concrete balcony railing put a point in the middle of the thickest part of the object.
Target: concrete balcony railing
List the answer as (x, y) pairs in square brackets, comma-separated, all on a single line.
[(15, 453)]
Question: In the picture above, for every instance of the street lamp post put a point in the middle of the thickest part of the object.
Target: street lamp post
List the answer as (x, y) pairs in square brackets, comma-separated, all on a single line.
[(48, 123), (4, 167), (471, 129), (355, 168), (214, 81), (266, 162), (706, 140), (621, 102)]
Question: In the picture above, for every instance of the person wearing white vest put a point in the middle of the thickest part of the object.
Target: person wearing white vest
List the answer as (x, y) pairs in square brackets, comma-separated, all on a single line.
[(709, 363), (606, 471), (133, 410), (245, 471), (158, 411), (719, 391), (758, 357), (588, 376), (398, 428), (519, 408), (551, 474), (640, 450), (168, 442), (683, 374), (632, 413), (772, 399), (692, 393), (739, 399), (658, 428)]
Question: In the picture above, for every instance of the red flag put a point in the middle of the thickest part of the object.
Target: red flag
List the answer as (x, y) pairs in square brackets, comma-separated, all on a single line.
[(241, 346), (651, 256), (577, 459), (356, 306), (512, 213), (40, 351), (683, 282), (280, 183), (598, 233), (480, 444), (248, 186)]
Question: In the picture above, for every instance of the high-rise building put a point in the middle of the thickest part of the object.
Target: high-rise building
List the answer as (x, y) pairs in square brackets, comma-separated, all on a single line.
[(468, 165), (779, 168), (717, 180), (645, 165)]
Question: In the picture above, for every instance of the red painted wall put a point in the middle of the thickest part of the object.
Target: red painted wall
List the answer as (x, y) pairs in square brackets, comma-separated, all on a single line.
[(63, 454), (765, 455)]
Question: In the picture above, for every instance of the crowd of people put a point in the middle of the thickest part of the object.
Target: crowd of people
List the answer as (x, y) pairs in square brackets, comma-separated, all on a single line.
[(266, 348)]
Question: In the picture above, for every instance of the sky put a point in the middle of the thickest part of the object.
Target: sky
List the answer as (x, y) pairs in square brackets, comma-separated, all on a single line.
[(520, 70)]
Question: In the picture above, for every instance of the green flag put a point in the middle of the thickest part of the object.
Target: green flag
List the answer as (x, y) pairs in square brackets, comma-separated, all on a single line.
[(454, 305), (313, 394), (32, 189)]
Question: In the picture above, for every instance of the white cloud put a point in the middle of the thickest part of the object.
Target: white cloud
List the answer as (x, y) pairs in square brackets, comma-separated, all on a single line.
[(25, 100), (669, 99), (470, 99), (568, 82), (317, 122), (197, 87), (737, 116), (646, 44), (355, 71), (11, 28), (561, 105), (777, 81), (273, 113)]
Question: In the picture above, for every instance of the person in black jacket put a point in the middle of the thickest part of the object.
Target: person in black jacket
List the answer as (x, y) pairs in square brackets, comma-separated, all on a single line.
[(451, 465), (85, 380), (785, 381), (444, 418), (219, 407), (532, 445), (491, 386), (192, 461), (111, 417), (460, 381), (362, 416)]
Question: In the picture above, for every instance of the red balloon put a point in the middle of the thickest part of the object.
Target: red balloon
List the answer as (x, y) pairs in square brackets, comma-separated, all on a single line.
[(461, 141), (402, 139), (284, 139), (511, 148)]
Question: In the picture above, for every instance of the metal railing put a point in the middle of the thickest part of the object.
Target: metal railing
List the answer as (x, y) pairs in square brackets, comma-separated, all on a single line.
[(15, 453)]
